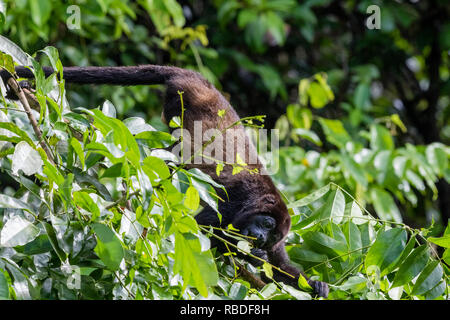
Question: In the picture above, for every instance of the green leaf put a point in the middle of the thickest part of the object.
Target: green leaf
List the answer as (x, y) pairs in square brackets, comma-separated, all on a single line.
[(408, 249), (50, 230), (137, 125), (10, 48), (27, 159), (319, 92), (299, 117), (303, 86), (77, 121), (400, 164), (21, 285), (84, 200), (353, 238), (227, 11), (39, 245), (380, 138), (155, 139), (395, 118), (302, 283), (187, 224), (175, 122), (219, 168), (246, 16), (195, 266), (411, 266), (310, 198), (333, 208), (337, 206), (437, 291), (446, 256), (4, 287), (109, 249), (354, 213), (428, 279), (118, 133), (335, 132), (52, 173), (415, 180), (76, 145), (308, 135), (304, 255), (176, 12), (384, 205), (254, 34), (354, 284), (386, 250), (84, 178), (6, 61), (115, 171), (267, 268), (297, 294), (355, 169), (13, 203), (322, 243), (437, 157), (17, 231), (443, 241), (15, 129), (317, 95), (156, 169), (362, 96), (41, 11), (206, 192), (108, 109), (192, 199), (275, 27)]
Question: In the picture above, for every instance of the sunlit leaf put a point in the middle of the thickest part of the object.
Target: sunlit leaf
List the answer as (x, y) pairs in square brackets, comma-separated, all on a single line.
[(18, 231), (443, 241), (27, 159)]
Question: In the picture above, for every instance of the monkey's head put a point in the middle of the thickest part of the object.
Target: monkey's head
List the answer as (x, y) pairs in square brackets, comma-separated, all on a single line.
[(266, 220), (261, 228)]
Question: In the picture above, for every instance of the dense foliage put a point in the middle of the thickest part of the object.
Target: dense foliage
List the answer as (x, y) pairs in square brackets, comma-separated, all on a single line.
[(98, 209)]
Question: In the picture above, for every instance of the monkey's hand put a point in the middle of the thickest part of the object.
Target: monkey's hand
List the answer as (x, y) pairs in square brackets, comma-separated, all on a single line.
[(320, 288), (260, 253)]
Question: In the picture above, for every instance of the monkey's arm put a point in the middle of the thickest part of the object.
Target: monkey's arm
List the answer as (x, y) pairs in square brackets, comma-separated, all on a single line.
[(279, 257)]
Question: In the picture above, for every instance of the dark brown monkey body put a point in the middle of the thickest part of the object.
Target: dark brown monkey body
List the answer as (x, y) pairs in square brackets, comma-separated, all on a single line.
[(253, 204)]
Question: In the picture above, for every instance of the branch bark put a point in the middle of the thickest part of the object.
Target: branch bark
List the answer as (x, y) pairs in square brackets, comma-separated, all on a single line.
[(255, 281)]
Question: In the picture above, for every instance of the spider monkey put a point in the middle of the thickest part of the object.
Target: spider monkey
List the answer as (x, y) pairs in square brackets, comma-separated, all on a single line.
[(253, 204)]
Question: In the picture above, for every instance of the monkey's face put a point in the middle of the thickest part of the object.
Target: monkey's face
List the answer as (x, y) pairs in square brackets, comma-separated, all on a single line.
[(261, 227)]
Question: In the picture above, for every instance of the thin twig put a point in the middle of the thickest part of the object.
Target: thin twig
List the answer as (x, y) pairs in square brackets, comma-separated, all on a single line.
[(23, 99)]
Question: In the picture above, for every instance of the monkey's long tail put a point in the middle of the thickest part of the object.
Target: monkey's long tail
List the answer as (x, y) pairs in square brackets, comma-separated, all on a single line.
[(133, 75)]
